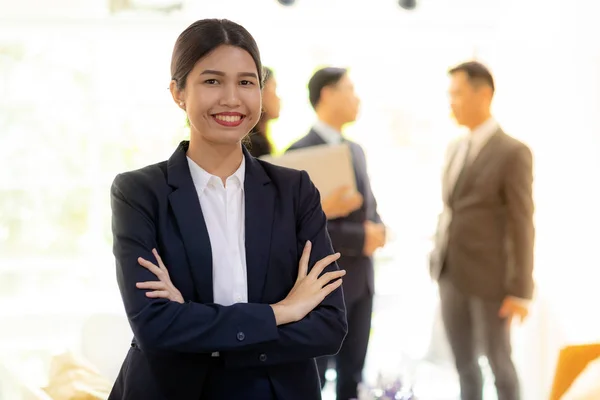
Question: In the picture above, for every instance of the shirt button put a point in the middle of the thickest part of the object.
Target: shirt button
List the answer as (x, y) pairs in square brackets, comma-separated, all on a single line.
[(241, 336), (262, 357)]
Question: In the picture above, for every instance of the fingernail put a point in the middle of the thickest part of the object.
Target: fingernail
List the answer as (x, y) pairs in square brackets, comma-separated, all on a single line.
[(308, 243)]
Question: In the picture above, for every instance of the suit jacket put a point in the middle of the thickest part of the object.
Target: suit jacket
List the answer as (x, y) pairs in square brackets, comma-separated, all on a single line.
[(348, 233), (158, 207), (487, 246)]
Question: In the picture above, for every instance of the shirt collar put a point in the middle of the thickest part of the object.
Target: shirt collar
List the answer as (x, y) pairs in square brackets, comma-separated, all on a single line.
[(329, 134), (482, 133), (202, 178)]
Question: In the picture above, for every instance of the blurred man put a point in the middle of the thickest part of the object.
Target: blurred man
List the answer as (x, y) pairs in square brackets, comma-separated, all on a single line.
[(356, 235), (483, 260)]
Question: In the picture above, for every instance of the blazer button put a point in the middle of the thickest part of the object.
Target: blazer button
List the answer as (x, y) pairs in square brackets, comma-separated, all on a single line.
[(262, 357), (241, 336)]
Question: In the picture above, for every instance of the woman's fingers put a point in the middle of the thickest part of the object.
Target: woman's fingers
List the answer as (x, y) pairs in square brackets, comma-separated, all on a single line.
[(161, 264), (329, 276), (303, 265), (322, 264), (154, 285), (163, 288), (330, 288), (158, 294), (150, 266)]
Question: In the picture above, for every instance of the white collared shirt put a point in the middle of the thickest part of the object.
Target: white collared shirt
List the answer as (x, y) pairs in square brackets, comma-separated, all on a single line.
[(480, 136), (469, 147), (224, 215), (329, 134)]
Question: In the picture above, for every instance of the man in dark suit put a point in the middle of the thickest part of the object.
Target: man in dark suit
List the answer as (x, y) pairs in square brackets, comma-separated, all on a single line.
[(483, 259), (356, 235)]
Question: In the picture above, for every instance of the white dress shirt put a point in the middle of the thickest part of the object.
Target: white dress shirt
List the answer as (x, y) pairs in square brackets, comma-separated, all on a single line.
[(329, 134), (480, 136), (469, 148), (224, 215)]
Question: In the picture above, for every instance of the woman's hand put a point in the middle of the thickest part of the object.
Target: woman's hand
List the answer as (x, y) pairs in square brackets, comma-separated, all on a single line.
[(163, 288), (310, 289)]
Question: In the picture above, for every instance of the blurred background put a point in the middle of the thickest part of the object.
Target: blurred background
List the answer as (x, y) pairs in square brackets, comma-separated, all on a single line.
[(83, 96)]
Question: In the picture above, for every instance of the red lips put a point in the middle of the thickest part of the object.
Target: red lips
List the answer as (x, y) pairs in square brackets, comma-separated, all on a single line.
[(229, 119)]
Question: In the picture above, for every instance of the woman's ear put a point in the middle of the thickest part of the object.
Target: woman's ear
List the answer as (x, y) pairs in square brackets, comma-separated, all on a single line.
[(178, 95)]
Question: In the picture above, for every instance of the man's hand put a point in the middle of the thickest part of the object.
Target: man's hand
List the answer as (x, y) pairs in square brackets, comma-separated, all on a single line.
[(341, 202), (374, 237), (513, 308)]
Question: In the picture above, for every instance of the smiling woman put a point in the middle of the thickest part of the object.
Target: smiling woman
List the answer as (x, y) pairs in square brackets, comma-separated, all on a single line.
[(223, 261), (221, 90)]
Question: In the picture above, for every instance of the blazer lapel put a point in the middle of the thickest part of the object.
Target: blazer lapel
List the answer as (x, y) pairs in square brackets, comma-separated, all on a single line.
[(470, 172), (314, 138), (188, 213), (446, 189), (259, 207)]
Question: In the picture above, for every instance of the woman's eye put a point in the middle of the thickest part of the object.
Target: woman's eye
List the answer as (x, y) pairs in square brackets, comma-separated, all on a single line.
[(246, 83), (211, 81)]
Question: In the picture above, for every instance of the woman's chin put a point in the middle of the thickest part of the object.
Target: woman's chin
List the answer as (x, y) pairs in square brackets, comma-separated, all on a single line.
[(223, 137), (228, 139)]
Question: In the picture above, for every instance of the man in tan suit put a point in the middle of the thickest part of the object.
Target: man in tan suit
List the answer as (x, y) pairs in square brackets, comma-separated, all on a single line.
[(483, 259)]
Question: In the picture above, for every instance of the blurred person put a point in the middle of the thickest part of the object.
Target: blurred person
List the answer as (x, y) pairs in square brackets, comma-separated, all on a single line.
[(337, 204), (483, 259), (224, 263), (357, 234), (260, 145)]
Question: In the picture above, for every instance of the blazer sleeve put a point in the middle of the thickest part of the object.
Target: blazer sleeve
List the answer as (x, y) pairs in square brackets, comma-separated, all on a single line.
[(160, 324), (348, 237), (518, 188), (371, 202), (323, 330)]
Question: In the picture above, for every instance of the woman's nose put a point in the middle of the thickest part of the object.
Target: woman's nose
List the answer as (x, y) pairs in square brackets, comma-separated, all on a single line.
[(230, 96)]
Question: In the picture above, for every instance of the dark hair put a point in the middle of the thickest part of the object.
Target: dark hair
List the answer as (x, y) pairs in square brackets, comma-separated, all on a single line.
[(322, 78), (204, 36), (477, 73)]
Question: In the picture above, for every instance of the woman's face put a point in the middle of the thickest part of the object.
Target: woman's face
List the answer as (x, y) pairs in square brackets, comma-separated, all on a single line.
[(271, 101), (222, 96)]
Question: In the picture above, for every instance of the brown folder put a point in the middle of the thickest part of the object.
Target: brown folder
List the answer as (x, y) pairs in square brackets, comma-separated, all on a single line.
[(329, 166)]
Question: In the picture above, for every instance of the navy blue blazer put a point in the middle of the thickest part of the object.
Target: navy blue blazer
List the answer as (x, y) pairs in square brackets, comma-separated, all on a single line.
[(158, 207), (348, 233)]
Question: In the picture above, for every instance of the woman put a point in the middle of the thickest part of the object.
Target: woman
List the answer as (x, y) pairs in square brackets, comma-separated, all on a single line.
[(259, 142), (224, 263)]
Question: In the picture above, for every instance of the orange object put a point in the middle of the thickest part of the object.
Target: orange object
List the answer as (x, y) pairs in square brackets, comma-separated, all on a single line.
[(572, 360)]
